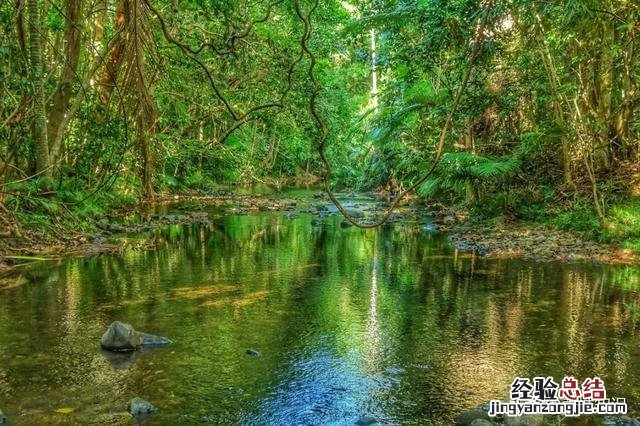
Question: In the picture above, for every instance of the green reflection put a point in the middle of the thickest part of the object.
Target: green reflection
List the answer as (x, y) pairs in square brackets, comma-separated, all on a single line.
[(390, 323)]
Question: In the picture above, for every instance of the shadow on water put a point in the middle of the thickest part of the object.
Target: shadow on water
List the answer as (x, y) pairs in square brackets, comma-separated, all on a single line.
[(390, 323)]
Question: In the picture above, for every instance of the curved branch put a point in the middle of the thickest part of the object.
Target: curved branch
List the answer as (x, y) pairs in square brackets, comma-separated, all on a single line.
[(191, 54), (244, 119), (324, 131)]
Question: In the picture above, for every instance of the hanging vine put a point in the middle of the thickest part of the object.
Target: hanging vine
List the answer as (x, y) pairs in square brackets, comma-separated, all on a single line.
[(324, 131)]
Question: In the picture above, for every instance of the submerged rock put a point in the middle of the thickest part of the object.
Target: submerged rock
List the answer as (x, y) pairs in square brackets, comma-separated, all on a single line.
[(139, 407), (395, 370), (99, 240), (151, 341), (355, 213), (466, 418), (430, 227), (524, 420), (3, 418), (252, 352), (481, 422), (366, 420), (620, 421), (116, 228), (121, 337)]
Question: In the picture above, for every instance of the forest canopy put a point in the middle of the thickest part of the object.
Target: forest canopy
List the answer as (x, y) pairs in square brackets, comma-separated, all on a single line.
[(524, 110)]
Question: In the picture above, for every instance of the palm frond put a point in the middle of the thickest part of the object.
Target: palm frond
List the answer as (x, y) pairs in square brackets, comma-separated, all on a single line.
[(399, 15)]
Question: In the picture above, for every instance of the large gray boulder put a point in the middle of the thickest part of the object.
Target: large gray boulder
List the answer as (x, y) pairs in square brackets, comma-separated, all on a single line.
[(121, 337)]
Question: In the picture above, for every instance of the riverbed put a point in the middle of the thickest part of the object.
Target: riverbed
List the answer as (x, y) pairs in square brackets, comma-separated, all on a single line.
[(341, 324)]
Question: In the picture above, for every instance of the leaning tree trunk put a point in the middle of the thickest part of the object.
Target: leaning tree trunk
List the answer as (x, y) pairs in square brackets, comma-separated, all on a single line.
[(43, 166)]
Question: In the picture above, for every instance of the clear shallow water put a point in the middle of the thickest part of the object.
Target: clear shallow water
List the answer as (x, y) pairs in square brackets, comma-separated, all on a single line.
[(390, 323)]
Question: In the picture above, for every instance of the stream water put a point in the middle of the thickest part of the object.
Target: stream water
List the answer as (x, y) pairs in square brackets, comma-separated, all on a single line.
[(390, 323)]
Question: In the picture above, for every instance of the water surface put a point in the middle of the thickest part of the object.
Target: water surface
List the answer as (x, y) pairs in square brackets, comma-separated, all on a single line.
[(390, 323)]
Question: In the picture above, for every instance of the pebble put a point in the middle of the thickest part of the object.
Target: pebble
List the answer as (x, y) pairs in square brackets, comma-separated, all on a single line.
[(252, 352)]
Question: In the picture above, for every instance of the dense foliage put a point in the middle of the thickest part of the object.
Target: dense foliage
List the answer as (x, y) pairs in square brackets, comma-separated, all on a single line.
[(123, 99)]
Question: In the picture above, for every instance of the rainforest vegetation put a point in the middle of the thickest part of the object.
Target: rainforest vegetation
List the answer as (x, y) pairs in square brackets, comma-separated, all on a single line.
[(519, 111)]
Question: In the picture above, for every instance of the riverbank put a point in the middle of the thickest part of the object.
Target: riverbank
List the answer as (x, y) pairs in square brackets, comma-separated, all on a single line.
[(538, 242), (510, 240)]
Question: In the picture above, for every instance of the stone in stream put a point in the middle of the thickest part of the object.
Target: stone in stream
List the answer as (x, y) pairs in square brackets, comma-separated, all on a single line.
[(121, 337), (252, 352), (3, 418), (620, 421), (524, 420), (430, 227), (116, 228), (366, 420), (152, 341), (99, 240), (357, 214), (466, 418), (139, 407), (481, 422)]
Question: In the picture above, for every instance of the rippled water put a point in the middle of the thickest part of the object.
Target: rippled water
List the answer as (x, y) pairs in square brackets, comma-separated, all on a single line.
[(389, 323)]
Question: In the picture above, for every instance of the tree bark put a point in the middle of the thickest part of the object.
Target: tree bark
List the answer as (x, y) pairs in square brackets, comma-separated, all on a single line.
[(146, 156), (43, 166), (64, 91)]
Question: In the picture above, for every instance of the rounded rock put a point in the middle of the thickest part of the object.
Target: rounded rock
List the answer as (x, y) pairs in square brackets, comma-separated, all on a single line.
[(120, 337), (139, 407)]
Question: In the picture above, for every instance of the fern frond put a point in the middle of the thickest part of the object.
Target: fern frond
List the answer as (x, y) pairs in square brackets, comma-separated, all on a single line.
[(382, 133)]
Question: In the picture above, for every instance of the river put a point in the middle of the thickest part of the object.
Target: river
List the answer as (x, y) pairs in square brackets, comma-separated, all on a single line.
[(392, 324)]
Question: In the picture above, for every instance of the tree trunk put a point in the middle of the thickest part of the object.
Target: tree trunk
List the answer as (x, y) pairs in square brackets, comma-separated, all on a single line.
[(43, 166), (556, 104), (106, 82), (98, 26), (374, 72), (146, 156), (64, 90), (467, 139)]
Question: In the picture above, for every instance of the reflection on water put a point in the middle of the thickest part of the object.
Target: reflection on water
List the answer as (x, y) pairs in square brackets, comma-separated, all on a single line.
[(388, 323)]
